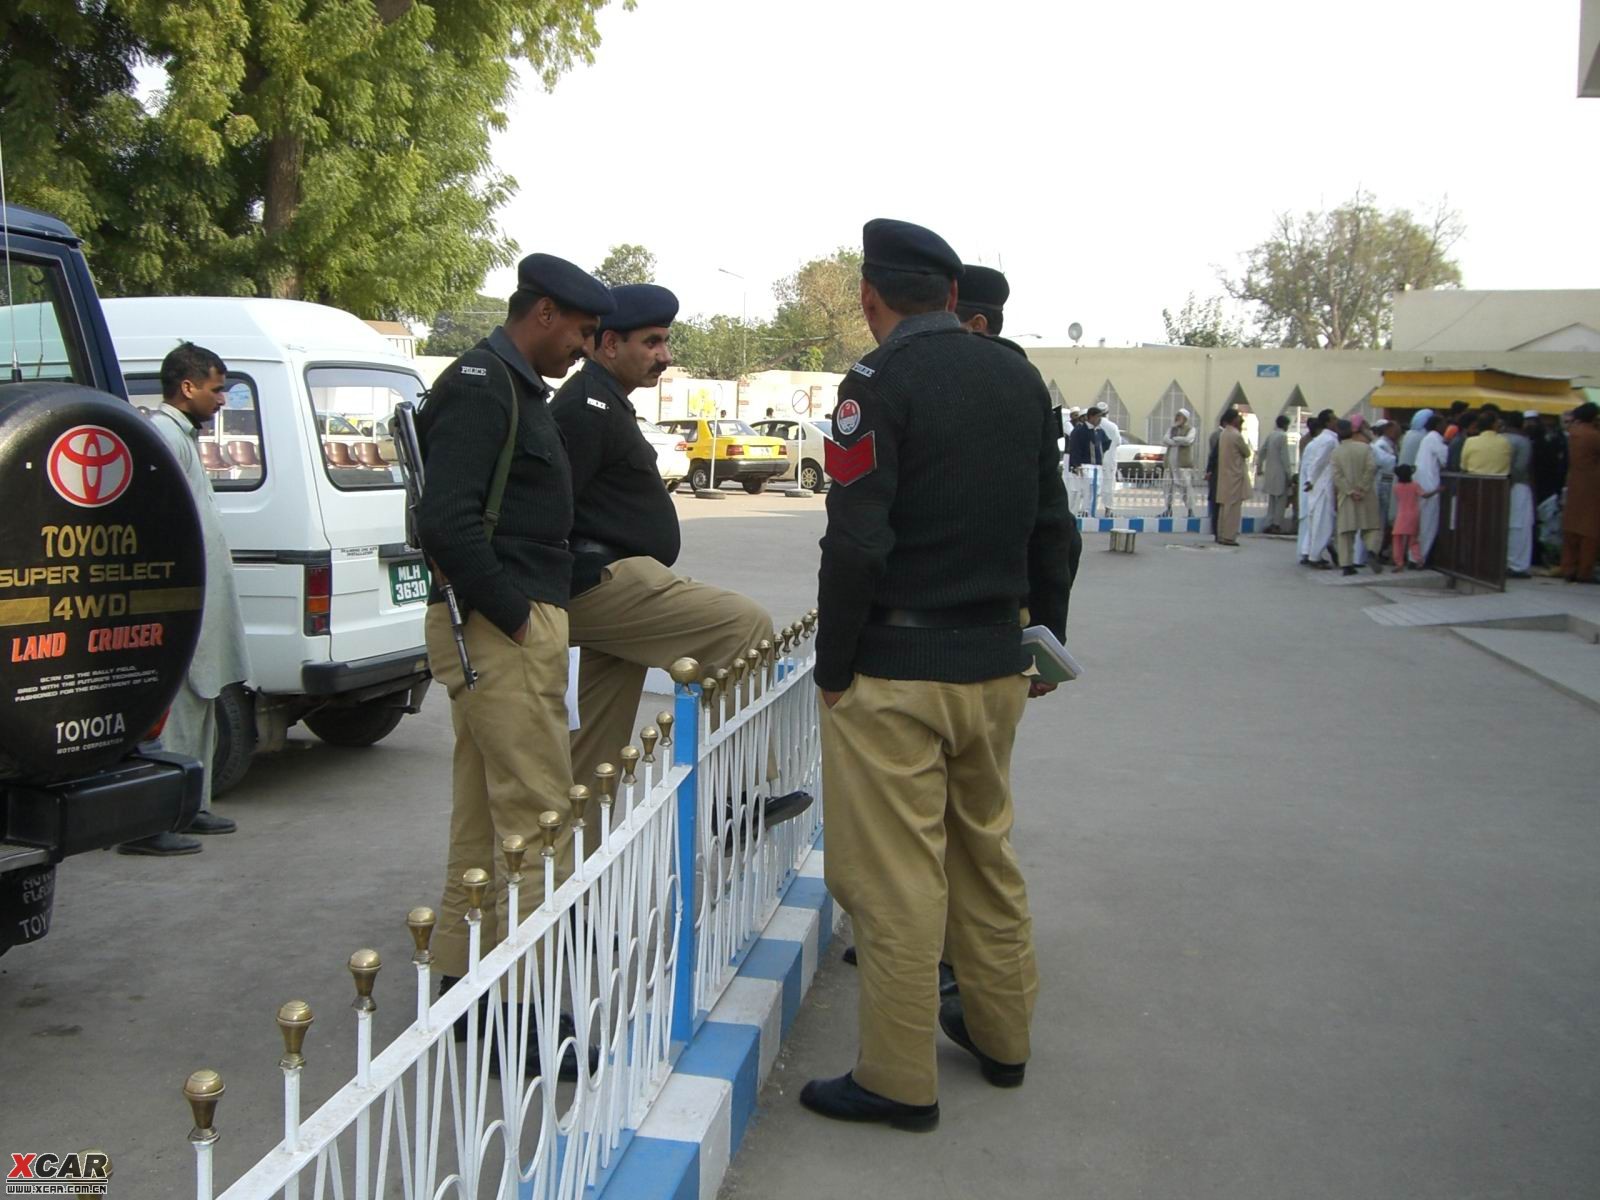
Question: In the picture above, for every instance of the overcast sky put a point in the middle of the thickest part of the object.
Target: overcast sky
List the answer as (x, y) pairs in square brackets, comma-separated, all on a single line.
[(1110, 156)]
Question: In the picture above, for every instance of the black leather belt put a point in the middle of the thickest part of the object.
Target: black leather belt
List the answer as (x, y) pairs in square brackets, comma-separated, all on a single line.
[(989, 612), (589, 546)]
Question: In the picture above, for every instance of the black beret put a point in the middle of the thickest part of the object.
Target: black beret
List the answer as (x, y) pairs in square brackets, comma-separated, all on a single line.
[(640, 306), (982, 288), (902, 246), (568, 285)]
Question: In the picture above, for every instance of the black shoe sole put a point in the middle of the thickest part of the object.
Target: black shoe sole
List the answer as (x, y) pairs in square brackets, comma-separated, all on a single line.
[(996, 1074), (906, 1123)]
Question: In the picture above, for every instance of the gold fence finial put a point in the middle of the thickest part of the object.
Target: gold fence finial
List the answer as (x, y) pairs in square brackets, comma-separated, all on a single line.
[(294, 1018), (202, 1090), (364, 966), (476, 882), (664, 722), (549, 830), (648, 737), (630, 763), (684, 670), (514, 849), (605, 783), (578, 798), (421, 922)]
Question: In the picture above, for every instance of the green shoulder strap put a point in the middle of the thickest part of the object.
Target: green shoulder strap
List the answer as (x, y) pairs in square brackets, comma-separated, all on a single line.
[(502, 466)]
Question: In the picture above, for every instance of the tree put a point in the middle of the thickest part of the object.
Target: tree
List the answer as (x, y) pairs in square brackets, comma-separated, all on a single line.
[(454, 331), (819, 325), (1328, 279), (331, 150), (716, 347), (1202, 323), (627, 263)]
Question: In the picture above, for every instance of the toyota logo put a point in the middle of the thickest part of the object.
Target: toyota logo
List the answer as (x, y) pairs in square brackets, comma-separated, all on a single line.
[(90, 466)]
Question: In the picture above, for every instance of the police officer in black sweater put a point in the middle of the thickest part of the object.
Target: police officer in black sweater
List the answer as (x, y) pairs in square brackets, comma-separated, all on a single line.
[(919, 662), (629, 611), (511, 576)]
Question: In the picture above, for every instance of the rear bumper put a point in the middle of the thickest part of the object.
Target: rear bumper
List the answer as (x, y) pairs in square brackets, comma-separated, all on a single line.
[(403, 669), (148, 793), (751, 468)]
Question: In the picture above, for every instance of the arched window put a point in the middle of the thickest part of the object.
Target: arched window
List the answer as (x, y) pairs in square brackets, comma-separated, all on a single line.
[(1368, 414), (1296, 400), (1108, 399), (1237, 399), (1056, 398), (1159, 421)]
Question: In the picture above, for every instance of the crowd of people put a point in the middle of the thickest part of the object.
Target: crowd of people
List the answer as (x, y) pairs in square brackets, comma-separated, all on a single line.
[(1368, 494)]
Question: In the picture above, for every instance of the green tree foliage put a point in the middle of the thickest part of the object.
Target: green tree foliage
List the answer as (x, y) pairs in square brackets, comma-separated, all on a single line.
[(715, 347), (1328, 279), (819, 325), (331, 150), (1202, 323), (454, 331), (627, 263)]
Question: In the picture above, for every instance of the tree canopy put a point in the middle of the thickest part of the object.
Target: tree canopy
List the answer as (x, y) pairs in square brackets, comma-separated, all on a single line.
[(1202, 323), (1327, 280), (329, 150), (627, 263)]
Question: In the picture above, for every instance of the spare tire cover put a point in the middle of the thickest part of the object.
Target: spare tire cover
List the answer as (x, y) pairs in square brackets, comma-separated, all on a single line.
[(102, 577)]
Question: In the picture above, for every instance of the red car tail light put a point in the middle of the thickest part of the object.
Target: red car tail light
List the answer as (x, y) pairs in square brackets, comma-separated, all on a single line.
[(319, 599)]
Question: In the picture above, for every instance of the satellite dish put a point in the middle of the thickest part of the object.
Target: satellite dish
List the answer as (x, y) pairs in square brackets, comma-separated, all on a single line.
[(1075, 331)]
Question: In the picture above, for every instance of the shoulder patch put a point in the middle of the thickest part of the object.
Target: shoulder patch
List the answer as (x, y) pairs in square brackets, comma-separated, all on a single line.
[(863, 370), (600, 404), (480, 372), (846, 465), (848, 417)]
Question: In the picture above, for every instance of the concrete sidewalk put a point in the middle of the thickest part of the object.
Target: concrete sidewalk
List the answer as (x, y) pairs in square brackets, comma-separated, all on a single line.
[(1316, 907)]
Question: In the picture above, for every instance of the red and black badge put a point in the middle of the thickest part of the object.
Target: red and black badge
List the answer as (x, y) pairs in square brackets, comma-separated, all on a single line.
[(846, 464)]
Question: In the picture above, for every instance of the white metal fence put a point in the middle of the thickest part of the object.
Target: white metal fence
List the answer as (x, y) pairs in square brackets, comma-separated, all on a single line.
[(591, 979)]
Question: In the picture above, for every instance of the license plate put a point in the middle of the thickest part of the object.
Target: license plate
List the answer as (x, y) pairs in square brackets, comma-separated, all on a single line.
[(765, 451), (408, 581)]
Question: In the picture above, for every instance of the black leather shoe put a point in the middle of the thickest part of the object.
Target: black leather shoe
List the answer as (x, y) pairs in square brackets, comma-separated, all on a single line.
[(786, 807), (209, 822), (843, 1099), (947, 981), (161, 845), (954, 1023)]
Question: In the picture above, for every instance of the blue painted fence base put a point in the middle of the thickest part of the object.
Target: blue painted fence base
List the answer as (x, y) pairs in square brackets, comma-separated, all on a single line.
[(682, 1150), (1160, 524)]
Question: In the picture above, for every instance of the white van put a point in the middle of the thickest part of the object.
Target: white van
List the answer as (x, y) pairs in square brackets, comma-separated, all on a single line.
[(304, 472)]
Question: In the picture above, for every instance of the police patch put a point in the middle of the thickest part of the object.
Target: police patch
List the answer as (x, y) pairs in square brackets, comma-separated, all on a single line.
[(480, 371), (848, 418), (846, 465), (863, 370), (593, 403)]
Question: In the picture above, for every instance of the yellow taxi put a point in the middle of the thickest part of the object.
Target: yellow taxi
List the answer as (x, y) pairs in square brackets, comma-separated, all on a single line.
[(723, 451)]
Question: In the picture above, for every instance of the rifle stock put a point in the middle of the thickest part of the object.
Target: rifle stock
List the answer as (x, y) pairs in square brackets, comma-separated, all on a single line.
[(409, 452)]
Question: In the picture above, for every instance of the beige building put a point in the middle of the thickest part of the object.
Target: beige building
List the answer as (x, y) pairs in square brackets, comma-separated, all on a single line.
[(1458, 319), (1143, 388)]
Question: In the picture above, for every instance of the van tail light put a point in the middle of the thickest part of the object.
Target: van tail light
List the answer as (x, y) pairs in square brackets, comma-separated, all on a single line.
[(155, 730), (319, 598), (735, 451)]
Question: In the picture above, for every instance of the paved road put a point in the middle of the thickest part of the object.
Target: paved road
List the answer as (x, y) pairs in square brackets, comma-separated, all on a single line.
[(1316, 910), (1346, 968)]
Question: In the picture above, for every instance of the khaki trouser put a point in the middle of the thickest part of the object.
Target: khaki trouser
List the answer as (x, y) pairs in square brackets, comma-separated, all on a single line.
[(191, 729), (1228, 517), (641, 615), (917, 804), (510, 762), (1372, 539)]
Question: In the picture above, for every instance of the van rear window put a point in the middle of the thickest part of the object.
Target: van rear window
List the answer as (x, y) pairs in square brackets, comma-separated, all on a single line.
[(351, 407), (230, 443)]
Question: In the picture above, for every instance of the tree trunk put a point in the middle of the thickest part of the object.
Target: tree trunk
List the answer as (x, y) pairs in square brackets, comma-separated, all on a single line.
[(285, 154)]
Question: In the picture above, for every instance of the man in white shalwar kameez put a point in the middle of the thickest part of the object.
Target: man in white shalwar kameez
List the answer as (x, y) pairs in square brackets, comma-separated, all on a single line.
[(1432, 454), (193, 383), (1108, 473), (1519, 539), (1316, 499)]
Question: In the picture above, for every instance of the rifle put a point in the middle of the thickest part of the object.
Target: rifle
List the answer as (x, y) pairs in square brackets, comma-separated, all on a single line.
[(409, 452)]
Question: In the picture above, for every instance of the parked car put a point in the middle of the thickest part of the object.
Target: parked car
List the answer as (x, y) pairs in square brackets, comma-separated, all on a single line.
[(742, 455), (805, 440), (1136, 460), (672, 453), (302, 464)]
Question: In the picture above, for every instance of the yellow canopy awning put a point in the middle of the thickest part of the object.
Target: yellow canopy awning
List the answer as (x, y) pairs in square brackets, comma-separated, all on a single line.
[(1412, 395)]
